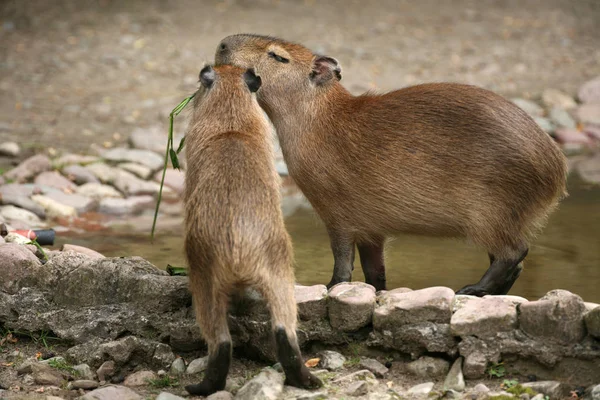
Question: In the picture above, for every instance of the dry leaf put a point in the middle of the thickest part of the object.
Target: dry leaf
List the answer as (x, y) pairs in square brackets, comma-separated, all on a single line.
[(312, 362), (38, 355), (40, 390), (389, 384)]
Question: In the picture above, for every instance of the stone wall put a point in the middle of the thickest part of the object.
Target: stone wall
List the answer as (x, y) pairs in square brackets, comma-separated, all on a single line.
[(125, 307)]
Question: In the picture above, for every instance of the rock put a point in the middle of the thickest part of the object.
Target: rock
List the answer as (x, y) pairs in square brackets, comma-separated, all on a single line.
[(290, 392), (589, 113), (55, 180), (112, 392), (29, 168), (460, 300), (79, 174), (130, 205), (594, 393), (331, 360), (562, 118), (48, 397), (538, 396), (351, 305), (98, 191), (484, 318), (9, 149), (178, 367), (429, 336), (590, 306), (360, 388), (555, 98), (545, 124), (481, 388), (106, 370), (53, 208), (139, 378), (385, 296), (592, 322), (531, 108), (267, 385), (22, 202), (84, 372), (428, 367), (74, 159), (163, 355), (221, 395), (558, 316), (589, 92), (153, 138), (81, 250), (84, 384), (569, 135), (198, 365), (131, 185), (144, 157), (81, 204), (16, 262), (374, 366), (311, 301), (455, 380), (589, 169), (553, 389), (168, 396), (174, 179), (139, 170), (423, 388), (431, 304), (105, 173), (593, 131), (44, 374), (475, 365), (2, 240)]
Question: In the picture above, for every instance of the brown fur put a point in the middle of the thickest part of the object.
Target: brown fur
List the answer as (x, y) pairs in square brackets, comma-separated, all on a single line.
[(235, 235), (438, 159)]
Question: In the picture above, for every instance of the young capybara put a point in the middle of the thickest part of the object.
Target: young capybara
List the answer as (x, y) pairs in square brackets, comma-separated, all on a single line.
[(438, 159), (235, 235)]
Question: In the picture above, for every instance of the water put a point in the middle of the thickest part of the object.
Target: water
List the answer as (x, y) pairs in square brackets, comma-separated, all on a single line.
[(565, 256)]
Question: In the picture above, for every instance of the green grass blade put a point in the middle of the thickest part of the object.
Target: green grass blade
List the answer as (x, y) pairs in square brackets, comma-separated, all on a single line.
[(174, 159), (180, 145)]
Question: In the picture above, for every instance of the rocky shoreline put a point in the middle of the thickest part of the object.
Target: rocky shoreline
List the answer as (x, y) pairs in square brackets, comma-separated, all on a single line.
[(120, 325)]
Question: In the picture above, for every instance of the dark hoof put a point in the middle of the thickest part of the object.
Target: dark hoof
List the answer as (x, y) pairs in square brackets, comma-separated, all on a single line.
[(332, 284), (304, 380), (473, 290), (203, 388)]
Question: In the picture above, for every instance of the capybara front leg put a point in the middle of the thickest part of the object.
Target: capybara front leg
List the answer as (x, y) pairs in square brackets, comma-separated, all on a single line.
[(343, 256)]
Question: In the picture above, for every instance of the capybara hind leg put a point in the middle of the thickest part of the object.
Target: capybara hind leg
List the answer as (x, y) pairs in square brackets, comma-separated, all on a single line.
[(500, 276), (211, 312), (279, 293), (373, 266), (343, 257)]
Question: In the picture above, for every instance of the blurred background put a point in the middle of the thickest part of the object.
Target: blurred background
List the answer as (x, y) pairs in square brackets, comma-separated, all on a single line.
[(90, 76)]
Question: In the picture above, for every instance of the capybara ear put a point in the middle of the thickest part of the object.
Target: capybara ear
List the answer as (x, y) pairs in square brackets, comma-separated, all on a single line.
[(324, 69), (252, 80), (207, 76)]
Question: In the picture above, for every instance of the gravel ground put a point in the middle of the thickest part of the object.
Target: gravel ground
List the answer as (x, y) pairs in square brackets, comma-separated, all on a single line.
[(77, 73)]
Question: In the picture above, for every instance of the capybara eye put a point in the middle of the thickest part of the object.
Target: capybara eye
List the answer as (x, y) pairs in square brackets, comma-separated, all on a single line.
[(278, 58)]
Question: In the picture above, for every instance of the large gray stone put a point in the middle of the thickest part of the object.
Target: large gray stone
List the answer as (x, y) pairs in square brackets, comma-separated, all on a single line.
[(81, 204), (556, 98), (431, 304), (530, 107), (589, 92), (112, 393), (139, 378), (267, 385), (351, 305), (424, 337), (130, 205), (484, 317), (198, 365), (562, 118), (74, 159), (53, 208), (22, 202), (81, 250), (16, 263), (221, 395), (589, 113), (144, 157), (19, 218), (558, 316), (553, 389), (331, 360), (374, 366), (139, 170), (55, 180), (29, 168), (98, 191), (592, 322), (174, 179), (169, 396), (178, 367), (422, 389), (79, 174), (428, 367), (311, 301), (10, 149), (44, 374), (455, 380)]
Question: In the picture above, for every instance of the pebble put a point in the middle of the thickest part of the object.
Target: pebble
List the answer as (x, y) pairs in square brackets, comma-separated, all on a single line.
[(74, 159), (29, 168), (455, 379), (556, 98), (178, 367), (174, 179), (568, 135), (553, 389), (14, 215), (198, 365), (22, 202), (360, 388), (428, 367), (106, 370), (589, 113), (84, 371), (82, 250), (530, 107), (363, 374), (589, 169), (267, 385), (112, 392), (9, 149), (139, 378), (53, 208), (221, 395), (545, 124), (55, 180), (351, 305), (131, 205), (139, 170), (153, 138), (168, 396), (374, 366), (589, 92), (46, 375), (562, 118), (84, 384), (331, 360), (131, 185), (481, 388), (423, 388), (81, 204), (98, 191), (144, 157), (79, 174), (163, 355), (105, 173)]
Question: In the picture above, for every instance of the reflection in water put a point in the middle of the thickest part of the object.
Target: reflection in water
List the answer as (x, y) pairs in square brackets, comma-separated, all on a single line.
[(565, 256)]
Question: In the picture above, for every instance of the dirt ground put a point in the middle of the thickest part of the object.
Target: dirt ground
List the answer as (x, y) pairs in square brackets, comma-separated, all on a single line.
[(74, 73)]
